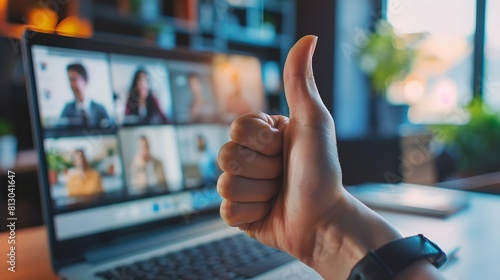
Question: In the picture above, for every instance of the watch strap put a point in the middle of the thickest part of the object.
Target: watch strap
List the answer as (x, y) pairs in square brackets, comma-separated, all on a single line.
[(394, 257)]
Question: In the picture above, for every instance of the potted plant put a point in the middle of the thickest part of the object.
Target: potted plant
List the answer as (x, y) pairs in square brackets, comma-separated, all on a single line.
[(386, 57), (8, 145), (56, 164), (474, 146)]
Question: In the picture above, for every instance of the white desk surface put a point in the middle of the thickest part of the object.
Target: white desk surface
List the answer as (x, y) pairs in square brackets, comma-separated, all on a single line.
[(476, 230)]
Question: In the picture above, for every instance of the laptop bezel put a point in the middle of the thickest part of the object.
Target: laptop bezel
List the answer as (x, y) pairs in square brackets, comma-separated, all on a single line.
[(67, 252)]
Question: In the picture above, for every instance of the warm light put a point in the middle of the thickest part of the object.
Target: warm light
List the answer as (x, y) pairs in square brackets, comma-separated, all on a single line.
[(395, 93), (409, 91), (3, 10), (413, 91), (39, 19), (436, 55), (447, 93), (5, 28), (43, 20), (440, 106), (73, 26)]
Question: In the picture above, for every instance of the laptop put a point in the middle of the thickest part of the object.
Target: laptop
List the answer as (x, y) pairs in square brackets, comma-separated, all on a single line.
[(411, 198), (127, 139)]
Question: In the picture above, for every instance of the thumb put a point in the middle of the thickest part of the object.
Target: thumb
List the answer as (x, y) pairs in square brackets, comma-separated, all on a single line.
[(302, 94)]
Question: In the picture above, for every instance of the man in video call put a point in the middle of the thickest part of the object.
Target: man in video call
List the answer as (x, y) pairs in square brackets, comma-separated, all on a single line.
[(82, 112), (206, 161), (146, 170)]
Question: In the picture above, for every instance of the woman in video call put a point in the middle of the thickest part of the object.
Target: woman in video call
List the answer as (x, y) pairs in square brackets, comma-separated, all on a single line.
[(141, 103), (84, 181)]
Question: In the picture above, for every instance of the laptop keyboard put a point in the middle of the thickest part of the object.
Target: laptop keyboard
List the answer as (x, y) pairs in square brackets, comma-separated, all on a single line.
[(235, 257)]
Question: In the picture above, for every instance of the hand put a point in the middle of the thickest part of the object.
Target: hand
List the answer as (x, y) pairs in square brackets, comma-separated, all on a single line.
[(282, 181)]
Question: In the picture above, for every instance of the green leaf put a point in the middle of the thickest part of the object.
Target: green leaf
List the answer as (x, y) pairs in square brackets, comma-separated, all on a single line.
[(477, 143), (6, 127)]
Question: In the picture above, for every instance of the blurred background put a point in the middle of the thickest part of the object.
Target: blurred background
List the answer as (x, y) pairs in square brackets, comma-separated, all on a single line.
[(414, 86)]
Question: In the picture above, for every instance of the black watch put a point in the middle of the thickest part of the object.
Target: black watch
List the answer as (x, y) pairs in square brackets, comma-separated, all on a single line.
[(392, 258)]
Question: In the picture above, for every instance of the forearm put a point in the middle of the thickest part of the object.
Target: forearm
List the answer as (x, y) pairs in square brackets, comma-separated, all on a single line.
[(356, 231)]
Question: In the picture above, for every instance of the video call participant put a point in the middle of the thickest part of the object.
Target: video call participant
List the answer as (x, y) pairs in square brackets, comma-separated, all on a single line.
[(235, 101), (82, 112), (141, 103), (206, 162), (200, 107), (83, 181), (230, 92), (146, 170)]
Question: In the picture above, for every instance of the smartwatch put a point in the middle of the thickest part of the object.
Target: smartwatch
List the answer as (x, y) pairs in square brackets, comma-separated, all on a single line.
[(392, 258)]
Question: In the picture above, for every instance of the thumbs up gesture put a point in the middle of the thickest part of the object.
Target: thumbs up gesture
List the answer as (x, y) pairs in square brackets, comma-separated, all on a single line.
[(282, 180)]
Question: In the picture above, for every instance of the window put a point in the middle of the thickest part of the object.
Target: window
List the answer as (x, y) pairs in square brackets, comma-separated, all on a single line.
[(440, 80), (491, 81), (456, 57)]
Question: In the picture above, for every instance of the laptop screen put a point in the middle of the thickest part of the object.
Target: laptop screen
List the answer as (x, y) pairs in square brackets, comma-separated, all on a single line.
[(129, 140)]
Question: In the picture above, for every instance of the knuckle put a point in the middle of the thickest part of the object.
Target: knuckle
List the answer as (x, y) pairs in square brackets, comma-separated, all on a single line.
[(228, 211), (241, 127), (230, 160), (225, 155), (224, 185), (238, 129)]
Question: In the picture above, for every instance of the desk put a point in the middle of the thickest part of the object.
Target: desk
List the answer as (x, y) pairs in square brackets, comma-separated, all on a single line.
[(32, 255), (476, 230), (488, 183)]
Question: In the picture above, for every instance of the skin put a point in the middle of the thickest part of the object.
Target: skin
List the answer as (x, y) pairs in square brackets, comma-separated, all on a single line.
[(144, 150), (282, 182), (198, 100), (78, 85), (201, 144), (142, 88), (80, 162), (195, 86)]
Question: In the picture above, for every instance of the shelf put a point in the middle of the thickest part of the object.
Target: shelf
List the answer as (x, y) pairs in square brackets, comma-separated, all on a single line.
[(111, 15), (242, 38), (110, 19), (270, 6), (261, 28)]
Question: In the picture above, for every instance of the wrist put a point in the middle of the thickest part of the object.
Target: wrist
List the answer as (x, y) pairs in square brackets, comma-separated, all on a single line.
[(346, 235), (419, 270)]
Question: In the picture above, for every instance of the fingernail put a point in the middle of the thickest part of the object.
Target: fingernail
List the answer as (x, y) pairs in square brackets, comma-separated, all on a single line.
[(313, 45), (311, 54)]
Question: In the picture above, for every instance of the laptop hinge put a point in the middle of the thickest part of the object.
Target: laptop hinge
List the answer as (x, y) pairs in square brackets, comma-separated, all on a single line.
[(131, 245)]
